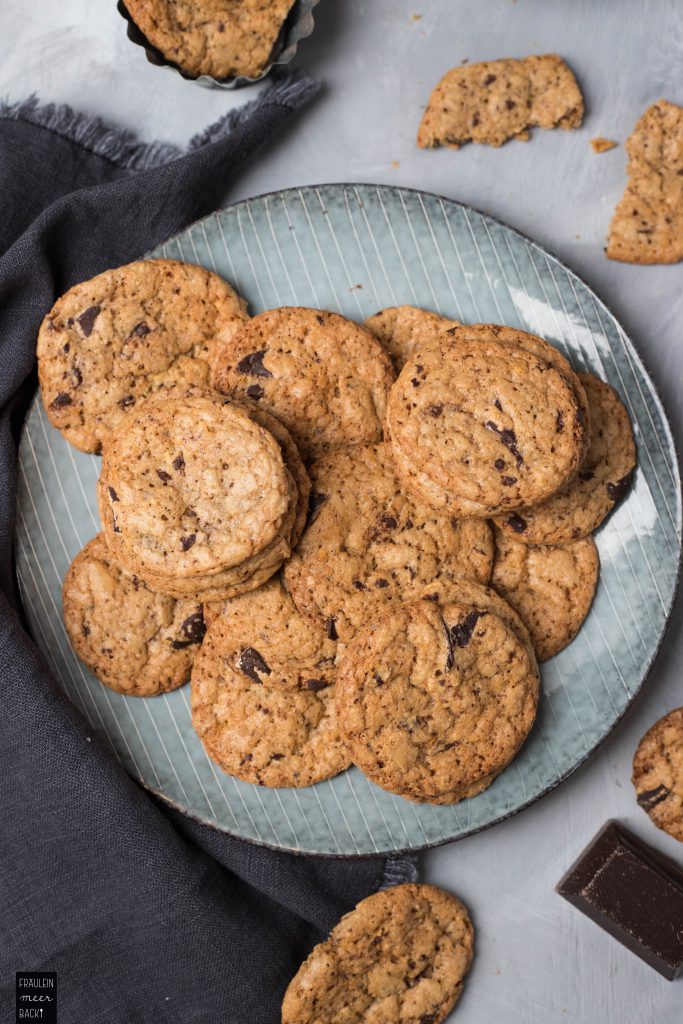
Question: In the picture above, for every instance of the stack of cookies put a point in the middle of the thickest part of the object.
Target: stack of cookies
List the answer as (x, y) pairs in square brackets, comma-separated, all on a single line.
[(360, 539)]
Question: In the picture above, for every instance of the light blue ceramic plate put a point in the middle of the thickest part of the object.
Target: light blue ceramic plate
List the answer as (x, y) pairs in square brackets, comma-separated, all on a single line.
[(354, 249)]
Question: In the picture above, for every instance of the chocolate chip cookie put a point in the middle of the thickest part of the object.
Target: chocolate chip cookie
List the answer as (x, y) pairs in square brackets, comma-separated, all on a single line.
[(323, 376), (498, 100), (263, 692), (434, 701), (254, 571), (485, 423), (111, 341), (135, 641), (602, 482), (552, 588), (221, 38), (401, 955), (658, 773), (402, 329), (191, 486), (370, 543)]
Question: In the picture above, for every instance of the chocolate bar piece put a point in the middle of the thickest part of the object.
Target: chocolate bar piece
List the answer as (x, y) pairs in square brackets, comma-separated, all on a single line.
[(634, 892)]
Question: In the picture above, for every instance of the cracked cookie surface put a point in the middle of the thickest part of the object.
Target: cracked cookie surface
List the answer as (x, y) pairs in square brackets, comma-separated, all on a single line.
[(369, 543), (400, 955), (552, 588), (402, 329), (263, 692), (498, 100), (603, 480), (111, 341), (135, 641), (220, 38), (488, 423), (254, 571), (190, 486), (658, 773), (647, 226), (434, 700), (323, 376)]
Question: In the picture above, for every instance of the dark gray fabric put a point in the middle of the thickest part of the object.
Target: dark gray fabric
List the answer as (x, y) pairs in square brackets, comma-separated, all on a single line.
[(145, 915)]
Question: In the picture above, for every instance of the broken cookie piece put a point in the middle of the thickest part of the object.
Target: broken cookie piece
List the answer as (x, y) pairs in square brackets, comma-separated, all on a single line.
[(647, 226), (499, 100)]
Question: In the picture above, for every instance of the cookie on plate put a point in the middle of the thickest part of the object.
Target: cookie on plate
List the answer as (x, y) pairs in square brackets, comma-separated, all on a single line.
[(402, 329), (481, 425), (111, 341), (658, 773), (602, 482), (647, 226), (263, 692), (434, 700), (135, 641), (222, 38), (498, 100), (370, 543), (323, 376), (253, 572), (401, 955), (191, 486), (552, 588)]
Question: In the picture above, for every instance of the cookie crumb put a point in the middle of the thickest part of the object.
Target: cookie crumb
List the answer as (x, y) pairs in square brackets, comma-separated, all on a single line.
[(416, 17), (602, 145), (395, 163)]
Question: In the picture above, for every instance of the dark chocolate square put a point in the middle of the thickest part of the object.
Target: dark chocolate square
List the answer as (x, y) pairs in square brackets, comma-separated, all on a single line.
[(634, 892)]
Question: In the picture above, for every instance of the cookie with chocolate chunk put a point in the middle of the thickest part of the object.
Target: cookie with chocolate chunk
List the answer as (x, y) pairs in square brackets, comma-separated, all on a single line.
[(135, 641), (190, 487), (400, 955), (110, 342), (370, 543), (222, 38), (552, 588), (434, 700), (254, 571), (402, 329), (479, 425), (498, 100), (263, 692), (603, 480), (323, 376), (658, 773), (647, 226)]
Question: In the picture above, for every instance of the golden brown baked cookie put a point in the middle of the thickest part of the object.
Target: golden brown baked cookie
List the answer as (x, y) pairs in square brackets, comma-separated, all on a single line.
[(191, 486), (602, 482), (220, 38), (402, 329), (647, 226), (400, 956), (263, 692), (485, 422), (434, 701), (254, 571), (499, 100), (135, 641), (369, 543), (112, 341), (658, 773), (323, 376), (552, 588)]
